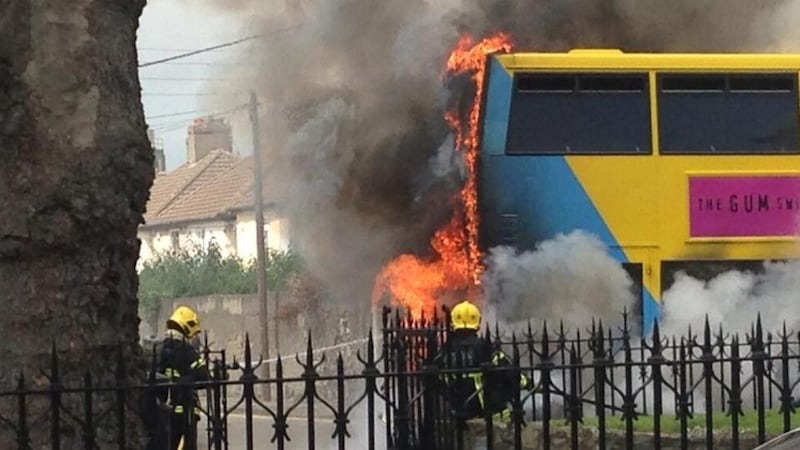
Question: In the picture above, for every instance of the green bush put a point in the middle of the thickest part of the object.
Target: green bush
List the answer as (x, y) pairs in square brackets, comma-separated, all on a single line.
[(197, 272)]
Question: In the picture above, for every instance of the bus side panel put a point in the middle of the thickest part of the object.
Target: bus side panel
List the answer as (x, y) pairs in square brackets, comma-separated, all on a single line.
[(528, 199)]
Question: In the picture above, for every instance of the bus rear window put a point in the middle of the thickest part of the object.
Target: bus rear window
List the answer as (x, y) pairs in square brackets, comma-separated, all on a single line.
[(579, 113), (728, 113)]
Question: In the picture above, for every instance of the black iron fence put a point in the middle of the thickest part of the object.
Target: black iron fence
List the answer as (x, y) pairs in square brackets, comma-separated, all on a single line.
[(712, 389)]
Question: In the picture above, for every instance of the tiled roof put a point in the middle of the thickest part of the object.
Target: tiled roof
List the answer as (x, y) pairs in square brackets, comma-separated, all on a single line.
[(202, 190), (214, 197)]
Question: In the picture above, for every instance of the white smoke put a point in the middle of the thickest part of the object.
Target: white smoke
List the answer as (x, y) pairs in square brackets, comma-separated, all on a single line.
[(570, 278), (734, 299)]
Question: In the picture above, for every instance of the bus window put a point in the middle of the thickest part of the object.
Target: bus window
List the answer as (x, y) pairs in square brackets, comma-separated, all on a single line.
[(509, 229), (579, 113), (728, 113)]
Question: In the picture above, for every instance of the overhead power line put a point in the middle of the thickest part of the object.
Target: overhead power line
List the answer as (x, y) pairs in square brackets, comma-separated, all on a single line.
[(202, 50), (175, 124), (191, 78), (188, 94), (175, 114), (216, 47), (208, 63)]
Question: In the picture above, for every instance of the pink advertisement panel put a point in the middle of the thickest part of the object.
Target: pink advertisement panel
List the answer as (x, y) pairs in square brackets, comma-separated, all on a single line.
[(742, 206)]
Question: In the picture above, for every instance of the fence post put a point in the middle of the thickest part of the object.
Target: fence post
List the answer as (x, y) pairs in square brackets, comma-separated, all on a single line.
[(735, 399), (23, 434), (430, 392), (683, 395), (248, 380), (215, 411), (573, 409), (707, 357), (389, 338), (786, 389), (401, 416), (546, 365), (758, 355), (55, 400), (280, 426), (88, 413), (517, 413), (370, 373), (629, 403), (341, 410), (310, 378), (598, 362), (655, 360)]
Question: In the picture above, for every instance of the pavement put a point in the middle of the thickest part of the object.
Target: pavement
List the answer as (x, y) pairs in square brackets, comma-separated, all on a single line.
[(298, 432)]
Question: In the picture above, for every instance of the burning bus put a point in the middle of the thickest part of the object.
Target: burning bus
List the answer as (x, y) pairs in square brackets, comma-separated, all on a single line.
[(675, 161)]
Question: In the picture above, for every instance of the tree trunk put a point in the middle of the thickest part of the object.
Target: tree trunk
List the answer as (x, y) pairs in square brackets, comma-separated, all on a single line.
[(75, 169)]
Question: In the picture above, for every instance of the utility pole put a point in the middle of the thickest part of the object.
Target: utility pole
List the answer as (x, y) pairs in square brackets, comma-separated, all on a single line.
[(258, 201)]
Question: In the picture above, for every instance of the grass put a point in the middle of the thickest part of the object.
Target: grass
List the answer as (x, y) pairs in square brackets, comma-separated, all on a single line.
[(670, 424)]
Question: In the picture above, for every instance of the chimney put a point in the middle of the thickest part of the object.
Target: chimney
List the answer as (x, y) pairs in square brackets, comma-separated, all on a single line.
[(205, 135)]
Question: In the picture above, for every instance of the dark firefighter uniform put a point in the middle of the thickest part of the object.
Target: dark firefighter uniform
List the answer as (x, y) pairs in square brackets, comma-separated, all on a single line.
[(473, 394), (179, 362)]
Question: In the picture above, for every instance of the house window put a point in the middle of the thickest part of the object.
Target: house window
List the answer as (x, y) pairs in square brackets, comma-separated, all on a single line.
[(175, 239)]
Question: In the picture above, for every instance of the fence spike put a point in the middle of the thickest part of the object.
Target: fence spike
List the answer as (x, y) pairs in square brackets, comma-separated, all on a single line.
[(309, 350), (656, 338), (248, 355), (759, 330), (370, 347), (707, 337)]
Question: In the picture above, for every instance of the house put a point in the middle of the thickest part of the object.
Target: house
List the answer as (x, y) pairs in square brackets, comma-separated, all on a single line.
[(204, 201)]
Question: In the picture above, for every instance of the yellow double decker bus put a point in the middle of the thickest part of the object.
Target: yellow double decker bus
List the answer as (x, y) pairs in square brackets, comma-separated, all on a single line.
[(676, 161)]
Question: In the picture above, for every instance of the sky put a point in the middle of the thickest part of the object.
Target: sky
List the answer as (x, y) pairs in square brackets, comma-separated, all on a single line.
[(170, 27)]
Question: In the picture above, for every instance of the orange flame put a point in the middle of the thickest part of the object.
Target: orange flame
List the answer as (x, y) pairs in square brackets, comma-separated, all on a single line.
[(416, 283)]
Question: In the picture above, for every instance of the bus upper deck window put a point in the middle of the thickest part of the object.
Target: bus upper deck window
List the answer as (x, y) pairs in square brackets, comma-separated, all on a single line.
[(742, 112), (545, 83), (762, 83), (611, 83), (683, 83)]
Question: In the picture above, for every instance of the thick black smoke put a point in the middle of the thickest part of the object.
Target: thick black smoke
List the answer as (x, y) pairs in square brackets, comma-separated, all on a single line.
[(360, 159)]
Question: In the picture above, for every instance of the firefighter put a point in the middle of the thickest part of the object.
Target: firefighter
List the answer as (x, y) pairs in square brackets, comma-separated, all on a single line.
[(471, 395), (180, 362)]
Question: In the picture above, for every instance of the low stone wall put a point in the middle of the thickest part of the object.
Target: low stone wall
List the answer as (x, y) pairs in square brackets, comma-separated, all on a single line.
[(228, 319), (589, 438)]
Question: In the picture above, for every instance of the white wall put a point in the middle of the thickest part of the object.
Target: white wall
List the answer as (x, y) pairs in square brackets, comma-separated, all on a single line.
[(237, 238), (276, 234), (200, 236)]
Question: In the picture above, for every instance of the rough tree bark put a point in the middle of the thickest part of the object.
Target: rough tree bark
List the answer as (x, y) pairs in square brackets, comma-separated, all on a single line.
[(75, 169)]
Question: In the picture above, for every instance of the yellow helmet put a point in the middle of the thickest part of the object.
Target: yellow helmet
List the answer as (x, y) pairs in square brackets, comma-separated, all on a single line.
[(465, 315), (185, 320)]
